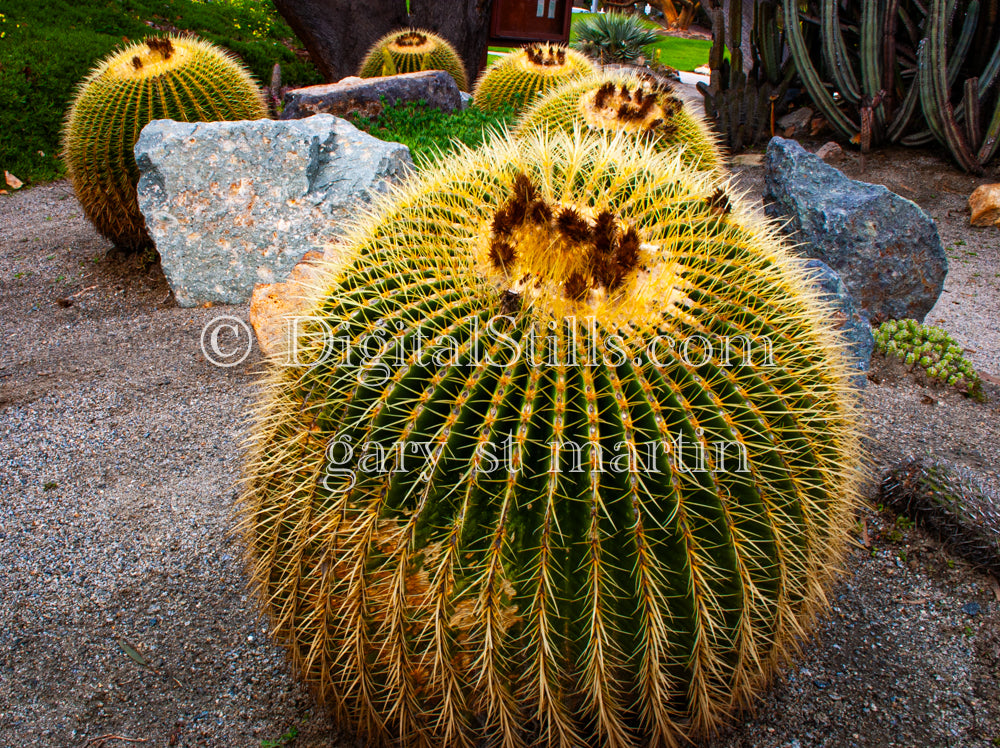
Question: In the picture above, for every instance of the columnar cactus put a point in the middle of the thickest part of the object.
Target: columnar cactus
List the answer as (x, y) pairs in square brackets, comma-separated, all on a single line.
[(178, 78), (516, 78), (626, 101), (412, 50), (566, 455), (952, 504)]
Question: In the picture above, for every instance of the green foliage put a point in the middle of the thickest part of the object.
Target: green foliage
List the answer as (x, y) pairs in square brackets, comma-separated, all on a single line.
[(932, 350), (430, 133), (47, 47), (613, 37)]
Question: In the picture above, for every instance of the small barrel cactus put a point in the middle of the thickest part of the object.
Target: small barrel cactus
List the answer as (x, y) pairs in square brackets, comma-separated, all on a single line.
[(179, 78), (626, 101), (516, 486), (412, 50), (931, 349), (952, 504), (518, 77)]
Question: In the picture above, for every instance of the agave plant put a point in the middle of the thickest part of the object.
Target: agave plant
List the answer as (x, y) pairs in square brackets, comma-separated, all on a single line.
[(613, 37)]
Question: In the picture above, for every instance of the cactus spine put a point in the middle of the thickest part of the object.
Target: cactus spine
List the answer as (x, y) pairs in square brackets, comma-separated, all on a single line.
[(517, 78), (952, 505), (625, 101), (412, 50), (173, 77), (524, 547)]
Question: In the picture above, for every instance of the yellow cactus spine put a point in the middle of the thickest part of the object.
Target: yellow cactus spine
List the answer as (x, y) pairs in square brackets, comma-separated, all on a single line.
[(173, 77), (567, 455), (412, 50), (518, 77), (629, 102)]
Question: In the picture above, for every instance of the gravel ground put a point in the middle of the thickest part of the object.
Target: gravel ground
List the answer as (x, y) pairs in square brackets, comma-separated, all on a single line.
[(124, 611)]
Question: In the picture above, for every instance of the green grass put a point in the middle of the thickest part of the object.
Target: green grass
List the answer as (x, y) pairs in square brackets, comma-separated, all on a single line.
[(48, 46), (682, 54), (430, 133)]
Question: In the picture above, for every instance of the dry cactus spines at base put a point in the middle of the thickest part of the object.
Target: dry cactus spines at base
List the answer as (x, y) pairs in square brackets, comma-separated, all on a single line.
[(410, 51), (179, 78), (518, 77), (951, 504), (457, 542), (630, 102)]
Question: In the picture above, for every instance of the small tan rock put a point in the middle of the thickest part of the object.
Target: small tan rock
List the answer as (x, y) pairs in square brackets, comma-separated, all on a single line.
[(272, 304), (748, 159), (984, 203), (13, 182), (831, 152)]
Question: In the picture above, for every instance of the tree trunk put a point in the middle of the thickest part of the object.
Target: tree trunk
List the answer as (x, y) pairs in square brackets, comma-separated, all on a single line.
[(338, 33)]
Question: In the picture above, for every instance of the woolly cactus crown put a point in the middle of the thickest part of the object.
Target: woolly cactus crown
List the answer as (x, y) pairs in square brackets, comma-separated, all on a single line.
[(516, 78), (412, 50), (630, 102), (544, 593)]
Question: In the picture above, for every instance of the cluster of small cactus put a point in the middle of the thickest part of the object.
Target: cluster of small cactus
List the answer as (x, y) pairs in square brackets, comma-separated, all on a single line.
[(513, 490), (951, 504), (630, 102), (412, 50), (179, 78), (931, 349), (518, 77)]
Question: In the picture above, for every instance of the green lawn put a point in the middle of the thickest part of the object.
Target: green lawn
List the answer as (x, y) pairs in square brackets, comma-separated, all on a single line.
[(47, 47), (682, 54)]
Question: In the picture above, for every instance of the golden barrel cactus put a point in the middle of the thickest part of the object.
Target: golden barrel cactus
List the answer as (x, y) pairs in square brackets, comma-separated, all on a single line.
[(565, 455), (179, 78), (633, 103), (412, 50), (517, 78)]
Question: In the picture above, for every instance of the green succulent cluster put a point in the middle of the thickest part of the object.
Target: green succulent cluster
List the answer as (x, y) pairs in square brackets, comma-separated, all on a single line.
[(931, 349)]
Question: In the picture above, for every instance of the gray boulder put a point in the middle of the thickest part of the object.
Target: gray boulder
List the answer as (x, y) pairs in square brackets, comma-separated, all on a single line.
[(233, 204), (851, 321), (369, 96), (884, 247)]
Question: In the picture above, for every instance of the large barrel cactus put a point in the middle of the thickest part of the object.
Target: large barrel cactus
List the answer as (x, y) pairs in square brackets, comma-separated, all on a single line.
[(412, 50), (517, 78), (565, 455), (626, 101), (179, 78)]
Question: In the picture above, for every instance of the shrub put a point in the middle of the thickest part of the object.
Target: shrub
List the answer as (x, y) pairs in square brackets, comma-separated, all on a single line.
[(613, 37), (431, 133)]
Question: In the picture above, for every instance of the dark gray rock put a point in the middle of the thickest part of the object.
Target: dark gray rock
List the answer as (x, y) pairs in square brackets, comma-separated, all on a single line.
[(884, 247), (234, 204), (369, 96), (851, 321)]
